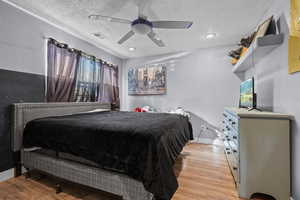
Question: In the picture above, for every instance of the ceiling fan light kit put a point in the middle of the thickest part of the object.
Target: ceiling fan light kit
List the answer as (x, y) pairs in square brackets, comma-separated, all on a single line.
[(141, 26)]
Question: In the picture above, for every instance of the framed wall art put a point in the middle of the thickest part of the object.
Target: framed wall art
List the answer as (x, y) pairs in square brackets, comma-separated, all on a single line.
[(150, 80)]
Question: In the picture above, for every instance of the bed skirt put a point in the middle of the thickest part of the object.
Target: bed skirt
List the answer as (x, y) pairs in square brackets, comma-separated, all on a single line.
[(112, 182)]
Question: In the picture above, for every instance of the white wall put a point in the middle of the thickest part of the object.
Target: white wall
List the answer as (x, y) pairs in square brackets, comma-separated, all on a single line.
[(22, 42), (200, 82), (279, 91)]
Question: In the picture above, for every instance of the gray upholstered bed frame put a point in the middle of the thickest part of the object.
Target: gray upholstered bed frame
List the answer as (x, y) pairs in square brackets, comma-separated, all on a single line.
[(104, 180)]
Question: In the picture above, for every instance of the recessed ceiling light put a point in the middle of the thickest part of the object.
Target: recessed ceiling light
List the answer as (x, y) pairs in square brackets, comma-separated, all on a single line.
[(210, 35), (131, 49)]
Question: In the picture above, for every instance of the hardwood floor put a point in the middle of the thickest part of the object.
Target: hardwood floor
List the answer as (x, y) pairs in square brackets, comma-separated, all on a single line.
[(201, 170)]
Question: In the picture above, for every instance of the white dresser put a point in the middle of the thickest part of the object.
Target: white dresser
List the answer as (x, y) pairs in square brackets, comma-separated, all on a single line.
[(257, 147)]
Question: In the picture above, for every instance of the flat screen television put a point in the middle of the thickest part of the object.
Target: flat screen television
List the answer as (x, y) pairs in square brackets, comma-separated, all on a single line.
[(247, 95)]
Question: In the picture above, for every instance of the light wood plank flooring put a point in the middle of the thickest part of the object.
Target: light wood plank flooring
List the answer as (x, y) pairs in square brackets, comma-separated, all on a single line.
[(201, 170)]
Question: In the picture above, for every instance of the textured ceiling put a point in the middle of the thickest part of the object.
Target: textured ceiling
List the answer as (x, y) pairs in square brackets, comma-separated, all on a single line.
[(230, 19)]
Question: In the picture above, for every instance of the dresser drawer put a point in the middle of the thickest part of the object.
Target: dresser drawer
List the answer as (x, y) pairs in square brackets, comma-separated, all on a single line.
[(226, 146), (231, 143), (230, 121), (230, 125), (233, 165)]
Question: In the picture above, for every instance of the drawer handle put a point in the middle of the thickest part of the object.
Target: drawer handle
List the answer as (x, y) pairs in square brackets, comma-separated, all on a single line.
[(230, 120), (235, 151), (227, 149), (227, 152), (235, 168), (232, 123), (234, 137)]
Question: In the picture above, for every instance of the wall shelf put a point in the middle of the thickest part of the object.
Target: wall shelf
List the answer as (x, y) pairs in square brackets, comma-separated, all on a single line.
[(257, 51)]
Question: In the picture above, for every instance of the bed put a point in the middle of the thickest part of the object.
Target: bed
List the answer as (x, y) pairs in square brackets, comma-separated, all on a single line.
[(124, 153)]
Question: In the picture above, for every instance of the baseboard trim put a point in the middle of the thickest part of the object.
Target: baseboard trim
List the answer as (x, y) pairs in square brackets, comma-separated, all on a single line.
[(7, 174)]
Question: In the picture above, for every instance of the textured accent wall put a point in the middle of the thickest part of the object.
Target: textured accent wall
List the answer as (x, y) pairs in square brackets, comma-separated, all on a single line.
[(15, 87)]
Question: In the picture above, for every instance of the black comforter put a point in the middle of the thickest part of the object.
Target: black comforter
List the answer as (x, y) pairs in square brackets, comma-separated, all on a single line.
[(142, 145)]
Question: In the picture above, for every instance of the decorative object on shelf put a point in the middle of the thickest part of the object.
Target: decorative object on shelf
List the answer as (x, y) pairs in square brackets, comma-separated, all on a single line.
[(257, 51), (243, 48), (294, 39), (238, 53), (267, 27), (235, 53), (263, 28), (147, 80), (246, 42)]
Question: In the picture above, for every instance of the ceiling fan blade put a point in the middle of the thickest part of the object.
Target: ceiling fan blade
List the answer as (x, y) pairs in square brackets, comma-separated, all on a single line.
[(172, 24), (126, 37), (155, 39), (110, 19)]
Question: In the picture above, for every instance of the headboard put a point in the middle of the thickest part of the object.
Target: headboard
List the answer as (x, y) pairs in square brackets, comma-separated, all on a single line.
[(25, 112)]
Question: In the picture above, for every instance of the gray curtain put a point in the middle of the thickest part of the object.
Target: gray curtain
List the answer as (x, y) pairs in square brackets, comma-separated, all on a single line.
[(110, 88), (61, 76), (88, 80), (75, 76)]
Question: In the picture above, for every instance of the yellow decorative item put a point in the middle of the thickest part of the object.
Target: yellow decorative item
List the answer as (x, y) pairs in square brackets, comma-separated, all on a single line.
[(295, 18), (234, 61), (294, 54), (294, 39), (244, 50)]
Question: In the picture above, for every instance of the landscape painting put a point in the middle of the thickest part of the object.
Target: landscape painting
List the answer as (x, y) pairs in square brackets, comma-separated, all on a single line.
[(147, 81)]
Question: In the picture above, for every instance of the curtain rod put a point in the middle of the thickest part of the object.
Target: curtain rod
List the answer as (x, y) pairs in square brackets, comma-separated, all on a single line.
[(81, 52)]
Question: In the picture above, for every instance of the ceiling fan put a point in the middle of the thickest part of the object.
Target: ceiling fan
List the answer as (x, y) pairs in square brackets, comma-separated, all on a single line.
[(145, 27)]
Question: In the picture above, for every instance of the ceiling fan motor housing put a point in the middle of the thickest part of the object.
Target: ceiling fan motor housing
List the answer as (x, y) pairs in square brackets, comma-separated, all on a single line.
[(141, 26)]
